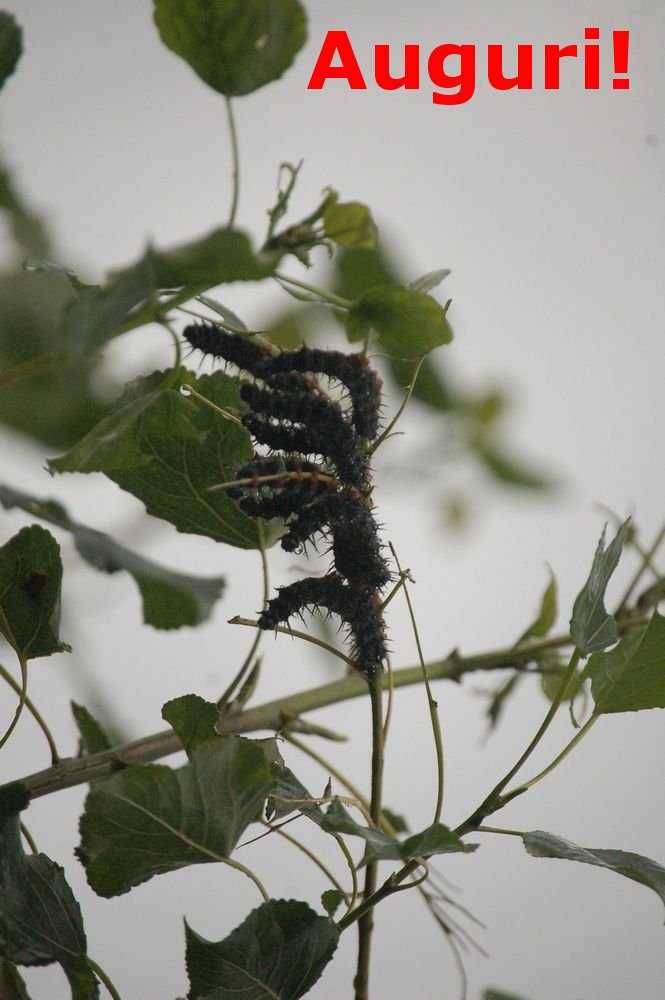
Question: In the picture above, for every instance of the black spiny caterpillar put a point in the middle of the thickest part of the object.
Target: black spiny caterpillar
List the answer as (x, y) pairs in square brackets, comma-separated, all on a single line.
[(290, 413)]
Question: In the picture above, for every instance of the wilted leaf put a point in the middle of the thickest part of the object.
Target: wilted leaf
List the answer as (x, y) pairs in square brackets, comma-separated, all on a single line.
[(11, 45), (170, 599), (152, 819), (193, 719), (168, 450), (409, 324), (633, 866), (434, 839), (280, 950), (30, 579), (40, 921), (631, 676), (591, 627), (235, 46)]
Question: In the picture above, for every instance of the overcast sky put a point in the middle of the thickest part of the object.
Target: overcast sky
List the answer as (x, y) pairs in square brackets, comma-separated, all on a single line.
[(548, 207)]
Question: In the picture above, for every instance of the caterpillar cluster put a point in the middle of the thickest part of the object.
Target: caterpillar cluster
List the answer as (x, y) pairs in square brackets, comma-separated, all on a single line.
[(316, 477)]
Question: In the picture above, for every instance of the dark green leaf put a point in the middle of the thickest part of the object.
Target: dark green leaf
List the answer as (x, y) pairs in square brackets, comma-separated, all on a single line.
[(280, 950), (223, 255), (509, 470), (331, 900), (12, 986), (431, 387), (30, 579), (168, 451), (93, 737), (290, 795), (151, 819), (11, 45), (360, 269), (631, 676), (40, 921), (547, 613), (350, 224), (397, 822), (499, 697), (193, 719), (170, 599), (235, 46), (434, 839), (591, 627), (633, 866), (409, 324)]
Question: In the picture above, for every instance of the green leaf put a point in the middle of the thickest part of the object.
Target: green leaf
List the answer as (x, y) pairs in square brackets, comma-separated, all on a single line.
[(169, 450), (12, 986), (631, 676), (93, 737), (279, 950), (40, 921), (151, 819), (409, 324), (193, 719), (434, 839), (235, 46), (547, 613), (290, 795), (509, 470), (30, 579), (170, 599), (633, 866), (350, 224), (101, 313), (331, 900), (11, 45), (591, 627)]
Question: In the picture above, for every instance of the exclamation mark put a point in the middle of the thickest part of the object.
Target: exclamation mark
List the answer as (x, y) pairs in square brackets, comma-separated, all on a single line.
[(620, 39)]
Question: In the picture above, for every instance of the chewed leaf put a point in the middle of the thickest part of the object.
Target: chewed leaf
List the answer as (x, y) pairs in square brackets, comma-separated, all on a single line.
[(152, 819), (591, 627), (235, 46), (30, 579), (193, 719), (168, 451), (633, 866), (280, 950), (632, 675)]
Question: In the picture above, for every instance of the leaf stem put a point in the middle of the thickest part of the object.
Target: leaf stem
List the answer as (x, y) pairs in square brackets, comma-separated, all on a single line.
[(321, 293), (235, 176), (103, 978), (579, 735), (495, 801), (435, 721), (366, 921), (6, 676)]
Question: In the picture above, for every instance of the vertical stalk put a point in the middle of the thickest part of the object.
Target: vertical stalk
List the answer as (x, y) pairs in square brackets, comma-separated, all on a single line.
[(235, 176), (366, 921)]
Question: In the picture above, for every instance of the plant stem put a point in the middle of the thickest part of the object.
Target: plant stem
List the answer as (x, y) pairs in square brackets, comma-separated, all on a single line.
[(494, 801), (235, 177), (272, 715), (366, 921), (579, 735)]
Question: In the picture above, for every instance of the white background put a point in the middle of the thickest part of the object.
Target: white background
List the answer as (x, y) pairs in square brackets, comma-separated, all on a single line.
[(548, 207)]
